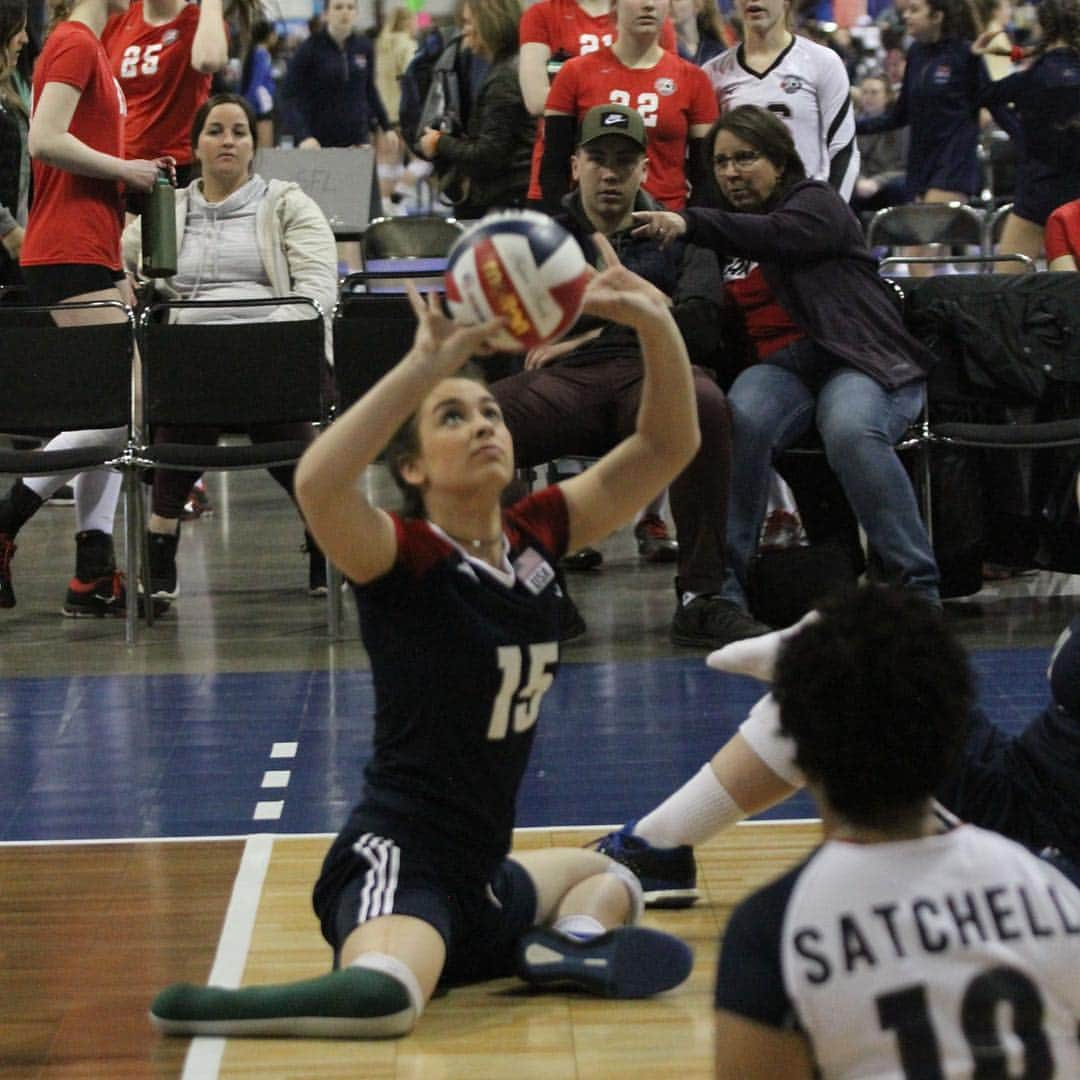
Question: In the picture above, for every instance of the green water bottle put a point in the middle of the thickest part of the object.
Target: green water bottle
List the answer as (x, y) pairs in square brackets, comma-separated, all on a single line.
[(159, 229)]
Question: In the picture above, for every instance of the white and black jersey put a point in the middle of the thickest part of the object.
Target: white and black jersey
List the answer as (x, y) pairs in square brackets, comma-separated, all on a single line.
[(808, 88), (955, 955)]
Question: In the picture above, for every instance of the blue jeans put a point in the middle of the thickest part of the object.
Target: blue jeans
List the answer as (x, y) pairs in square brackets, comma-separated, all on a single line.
[(773, 404)]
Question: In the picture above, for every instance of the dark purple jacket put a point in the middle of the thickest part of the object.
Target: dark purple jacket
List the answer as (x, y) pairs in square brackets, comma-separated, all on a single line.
[(812, 254)]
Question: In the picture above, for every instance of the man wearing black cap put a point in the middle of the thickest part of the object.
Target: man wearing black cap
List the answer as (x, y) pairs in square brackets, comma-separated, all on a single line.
[(580, 395)]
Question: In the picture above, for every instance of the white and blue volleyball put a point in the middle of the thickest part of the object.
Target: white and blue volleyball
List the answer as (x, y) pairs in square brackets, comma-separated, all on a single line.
[(522, 266)]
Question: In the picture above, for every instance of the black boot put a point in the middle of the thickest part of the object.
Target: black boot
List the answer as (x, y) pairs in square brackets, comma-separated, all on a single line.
[(163, 583), (96, 589)]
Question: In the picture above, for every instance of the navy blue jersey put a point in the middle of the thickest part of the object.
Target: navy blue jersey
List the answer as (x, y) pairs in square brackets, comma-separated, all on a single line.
[(1044, 121), (461, 660), (1046, 100), (938, 102), (330, 92)]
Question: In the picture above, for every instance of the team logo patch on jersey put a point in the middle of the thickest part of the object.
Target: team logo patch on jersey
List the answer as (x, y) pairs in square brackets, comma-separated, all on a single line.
[(791, 84), (169, 37), (665, 87), (533, 571), (942, 74)]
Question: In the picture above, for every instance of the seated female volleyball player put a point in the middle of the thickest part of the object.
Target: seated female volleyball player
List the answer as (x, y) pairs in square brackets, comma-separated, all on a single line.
[(895, 949), (1021, 785), (459, 613)]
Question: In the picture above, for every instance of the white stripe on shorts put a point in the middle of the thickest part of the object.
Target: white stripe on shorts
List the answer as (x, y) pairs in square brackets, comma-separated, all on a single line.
[(381, 879)]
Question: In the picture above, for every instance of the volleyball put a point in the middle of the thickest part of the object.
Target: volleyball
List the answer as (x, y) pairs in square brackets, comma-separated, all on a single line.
[(520, 265)]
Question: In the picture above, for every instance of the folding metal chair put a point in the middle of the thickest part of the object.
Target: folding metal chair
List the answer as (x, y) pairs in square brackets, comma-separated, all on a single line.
[(954, 224), (397, 249), (68, 378)]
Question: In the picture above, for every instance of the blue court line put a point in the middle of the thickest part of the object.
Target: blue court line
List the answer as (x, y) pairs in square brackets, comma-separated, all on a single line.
[(111, 756)]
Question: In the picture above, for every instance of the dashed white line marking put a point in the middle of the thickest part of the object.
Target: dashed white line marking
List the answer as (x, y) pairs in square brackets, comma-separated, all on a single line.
[(283, 749), (275, 778), (268, 811)]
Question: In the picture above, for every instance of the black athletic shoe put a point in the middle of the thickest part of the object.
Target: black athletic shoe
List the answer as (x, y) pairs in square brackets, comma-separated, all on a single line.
[(7, 587), (163, 580), (628, 962), (316, 567), (103, 596), (712, 623), (668, 876), (587, 558)]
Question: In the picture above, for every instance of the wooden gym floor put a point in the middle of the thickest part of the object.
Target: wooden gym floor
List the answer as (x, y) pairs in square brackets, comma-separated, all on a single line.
[(165, 807)]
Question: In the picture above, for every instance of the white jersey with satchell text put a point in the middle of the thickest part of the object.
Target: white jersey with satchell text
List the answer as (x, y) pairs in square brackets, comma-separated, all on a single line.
[(807, 86), (950, 956)]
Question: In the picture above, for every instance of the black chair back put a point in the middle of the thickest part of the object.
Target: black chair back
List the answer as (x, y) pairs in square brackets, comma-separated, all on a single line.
[(63, 378), (372, 332), (234, 373)]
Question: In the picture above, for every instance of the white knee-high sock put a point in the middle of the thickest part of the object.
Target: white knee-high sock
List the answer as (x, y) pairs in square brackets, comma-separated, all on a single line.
[(44, 486), (698, 810), (96, 496)]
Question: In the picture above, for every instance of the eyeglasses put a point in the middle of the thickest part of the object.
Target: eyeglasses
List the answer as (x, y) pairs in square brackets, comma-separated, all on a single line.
[(741, 159)]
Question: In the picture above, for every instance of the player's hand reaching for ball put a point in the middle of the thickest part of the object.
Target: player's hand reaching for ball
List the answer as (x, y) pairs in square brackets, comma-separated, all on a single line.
[(619, 294), (441, 343)]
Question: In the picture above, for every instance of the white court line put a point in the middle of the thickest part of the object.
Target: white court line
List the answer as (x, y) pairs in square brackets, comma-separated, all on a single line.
[(604, 829), (205, 1053), (156, 839)]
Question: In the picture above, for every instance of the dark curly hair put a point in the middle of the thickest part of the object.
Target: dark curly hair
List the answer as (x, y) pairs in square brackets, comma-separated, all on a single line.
[(876, 696)]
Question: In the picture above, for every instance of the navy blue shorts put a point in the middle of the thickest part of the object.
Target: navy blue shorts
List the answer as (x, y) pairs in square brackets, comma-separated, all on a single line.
[(1041, 189), (480, 918)]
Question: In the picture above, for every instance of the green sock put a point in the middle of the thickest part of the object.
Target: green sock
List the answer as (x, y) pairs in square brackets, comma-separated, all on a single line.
[(352, 1003)]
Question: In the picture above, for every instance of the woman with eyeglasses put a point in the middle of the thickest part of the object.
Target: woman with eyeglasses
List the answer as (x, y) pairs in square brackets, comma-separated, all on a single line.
[(830, 346)]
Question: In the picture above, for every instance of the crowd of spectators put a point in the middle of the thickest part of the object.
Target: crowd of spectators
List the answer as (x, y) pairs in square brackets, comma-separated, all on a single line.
[(501, 118)]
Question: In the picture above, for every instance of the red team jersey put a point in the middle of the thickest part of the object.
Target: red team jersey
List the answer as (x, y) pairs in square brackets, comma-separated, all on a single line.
[(163, 90), (77, 219), (568, 31), (671, 96)]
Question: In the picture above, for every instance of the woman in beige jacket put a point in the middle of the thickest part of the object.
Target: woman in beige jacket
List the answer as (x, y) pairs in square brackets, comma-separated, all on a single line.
[(239, 237)]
